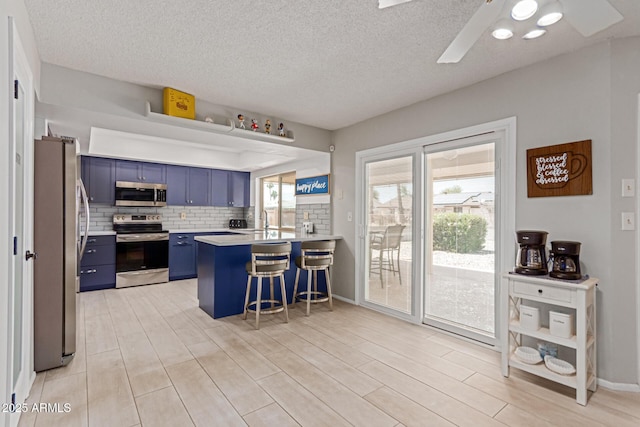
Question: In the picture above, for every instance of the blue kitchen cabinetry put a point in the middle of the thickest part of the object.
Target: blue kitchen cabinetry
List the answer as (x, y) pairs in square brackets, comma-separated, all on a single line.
[(183, 254), (230, 188), (188, 186), (99, 177), (133, 171), (98, 264)]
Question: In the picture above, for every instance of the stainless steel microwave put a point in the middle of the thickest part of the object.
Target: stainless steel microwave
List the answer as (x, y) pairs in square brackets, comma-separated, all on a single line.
[(140, 194)]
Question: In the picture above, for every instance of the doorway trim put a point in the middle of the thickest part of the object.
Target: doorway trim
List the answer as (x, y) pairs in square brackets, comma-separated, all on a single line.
[(506, 200)]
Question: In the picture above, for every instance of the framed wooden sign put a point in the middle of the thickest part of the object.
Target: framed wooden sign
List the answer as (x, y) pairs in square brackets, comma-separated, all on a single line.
[(312, 185), (560, 170)]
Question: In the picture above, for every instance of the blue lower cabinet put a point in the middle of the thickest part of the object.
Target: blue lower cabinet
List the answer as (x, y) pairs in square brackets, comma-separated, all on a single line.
[(182, 256), (97, 277), (98, 264)]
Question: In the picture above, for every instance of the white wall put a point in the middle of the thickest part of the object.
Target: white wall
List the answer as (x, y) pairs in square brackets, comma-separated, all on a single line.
[(91, 93), (568, 98)]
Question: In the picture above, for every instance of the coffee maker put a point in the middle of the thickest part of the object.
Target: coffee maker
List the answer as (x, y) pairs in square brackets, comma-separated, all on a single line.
[(565, 258), (532, 255)]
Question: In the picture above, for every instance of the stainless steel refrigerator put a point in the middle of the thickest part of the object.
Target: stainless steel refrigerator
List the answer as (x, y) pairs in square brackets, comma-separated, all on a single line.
[(58, 198)]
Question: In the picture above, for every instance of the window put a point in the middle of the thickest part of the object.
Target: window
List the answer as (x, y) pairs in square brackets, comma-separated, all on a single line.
[(279, 200)]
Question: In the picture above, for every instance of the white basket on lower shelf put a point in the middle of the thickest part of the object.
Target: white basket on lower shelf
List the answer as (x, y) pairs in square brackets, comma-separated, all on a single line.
[(528, 355), (559, 366)]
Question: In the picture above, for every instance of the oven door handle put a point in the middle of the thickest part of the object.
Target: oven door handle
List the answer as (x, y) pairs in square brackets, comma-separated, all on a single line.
[(149, 237)]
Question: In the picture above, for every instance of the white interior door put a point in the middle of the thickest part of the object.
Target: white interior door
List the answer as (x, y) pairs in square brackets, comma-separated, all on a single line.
[(21, 284)]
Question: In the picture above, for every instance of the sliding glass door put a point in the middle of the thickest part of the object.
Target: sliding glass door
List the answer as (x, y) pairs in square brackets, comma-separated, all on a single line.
[(388, 229), (436, 220), (459, 262)]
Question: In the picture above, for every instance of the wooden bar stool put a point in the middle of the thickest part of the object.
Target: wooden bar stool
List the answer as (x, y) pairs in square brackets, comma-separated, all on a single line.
[(316, 255), (267, 260)]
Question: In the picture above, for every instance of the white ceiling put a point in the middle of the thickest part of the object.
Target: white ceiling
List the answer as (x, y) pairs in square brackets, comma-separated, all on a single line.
[(325, 63)]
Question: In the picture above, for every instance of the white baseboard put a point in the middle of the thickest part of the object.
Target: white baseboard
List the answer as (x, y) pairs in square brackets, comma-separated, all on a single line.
[(618, 386), (350, 301)]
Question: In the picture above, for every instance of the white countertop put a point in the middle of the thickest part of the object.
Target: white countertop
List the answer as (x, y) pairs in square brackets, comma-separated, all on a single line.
[(102, 233), (260, 236), (211, 230)]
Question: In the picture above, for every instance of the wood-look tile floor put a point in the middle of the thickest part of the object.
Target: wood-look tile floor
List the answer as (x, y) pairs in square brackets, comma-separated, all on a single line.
[(149, 356)]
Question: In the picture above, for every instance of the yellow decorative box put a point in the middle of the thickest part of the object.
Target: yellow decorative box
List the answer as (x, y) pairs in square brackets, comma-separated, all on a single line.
[(179, 104)]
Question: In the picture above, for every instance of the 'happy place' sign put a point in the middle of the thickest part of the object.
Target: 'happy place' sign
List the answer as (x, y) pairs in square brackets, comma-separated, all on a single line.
[(312, 185)]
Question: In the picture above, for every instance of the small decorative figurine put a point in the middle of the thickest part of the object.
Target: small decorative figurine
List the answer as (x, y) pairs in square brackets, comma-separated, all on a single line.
[(241, 122), (208, 119), (281, 129), (254, 125), (267, 126)]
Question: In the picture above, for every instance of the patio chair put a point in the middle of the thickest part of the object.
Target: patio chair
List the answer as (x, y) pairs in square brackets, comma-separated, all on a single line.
[(386, 244)]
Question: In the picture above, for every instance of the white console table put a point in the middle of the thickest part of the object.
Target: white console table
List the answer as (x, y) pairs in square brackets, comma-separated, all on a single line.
[(580, 296)]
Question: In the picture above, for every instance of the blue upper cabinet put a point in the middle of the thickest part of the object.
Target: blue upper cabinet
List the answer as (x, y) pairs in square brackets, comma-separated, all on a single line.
[(219, 187), (230, 188), (188, 186), (177, 178), (199, 186), (132, 171), (239, 189), (99, 177)]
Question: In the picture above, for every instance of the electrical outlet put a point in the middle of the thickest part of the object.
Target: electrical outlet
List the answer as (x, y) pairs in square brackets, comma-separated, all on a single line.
[(349, 216), (305, 215), (183, 215)]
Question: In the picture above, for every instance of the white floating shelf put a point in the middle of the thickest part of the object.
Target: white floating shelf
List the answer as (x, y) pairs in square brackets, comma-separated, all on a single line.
[(229, 129)]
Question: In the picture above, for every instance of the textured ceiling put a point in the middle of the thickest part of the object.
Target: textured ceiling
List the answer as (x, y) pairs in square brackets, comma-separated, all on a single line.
[(327, 63)]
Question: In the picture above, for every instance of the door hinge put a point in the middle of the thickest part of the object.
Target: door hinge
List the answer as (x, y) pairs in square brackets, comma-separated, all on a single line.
[(15, 89), (15, 245)]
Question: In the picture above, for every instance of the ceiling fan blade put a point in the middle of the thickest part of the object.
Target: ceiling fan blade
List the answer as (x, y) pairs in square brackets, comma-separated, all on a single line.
[(592, 18), (388, 3), (471, 32)]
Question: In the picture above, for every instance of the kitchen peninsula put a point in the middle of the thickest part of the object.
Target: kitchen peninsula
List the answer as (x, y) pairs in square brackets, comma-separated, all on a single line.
[(222, 276)]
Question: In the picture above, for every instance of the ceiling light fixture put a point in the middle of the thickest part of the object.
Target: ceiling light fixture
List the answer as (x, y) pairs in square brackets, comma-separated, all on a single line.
[(550, 14), (524, 10), (502, 30), (534, 34)]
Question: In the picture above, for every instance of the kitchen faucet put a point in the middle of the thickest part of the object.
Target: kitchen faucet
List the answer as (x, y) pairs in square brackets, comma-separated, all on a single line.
[(266, 219)]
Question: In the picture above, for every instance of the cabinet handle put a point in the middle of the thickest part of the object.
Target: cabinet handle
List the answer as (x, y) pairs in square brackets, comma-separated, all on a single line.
[(182, 237), (540, 291), (92, 240), (91, 198), (144, 178), (92, 251), (89, 271)]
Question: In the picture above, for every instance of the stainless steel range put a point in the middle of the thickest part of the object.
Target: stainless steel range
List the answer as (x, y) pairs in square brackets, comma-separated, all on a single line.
[(142, 250)]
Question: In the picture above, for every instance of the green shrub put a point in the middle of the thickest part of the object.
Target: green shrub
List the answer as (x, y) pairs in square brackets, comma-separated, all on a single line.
[(461, 233)]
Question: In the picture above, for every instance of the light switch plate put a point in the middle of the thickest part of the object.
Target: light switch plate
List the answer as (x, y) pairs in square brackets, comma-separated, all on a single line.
[(305, 215), (628, 187), (349, 216), (628, 221), (183, 215)]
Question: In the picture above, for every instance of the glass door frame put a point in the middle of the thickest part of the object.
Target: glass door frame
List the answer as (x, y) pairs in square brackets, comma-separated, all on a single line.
[(505, 202), (497, 139), (377, 155)]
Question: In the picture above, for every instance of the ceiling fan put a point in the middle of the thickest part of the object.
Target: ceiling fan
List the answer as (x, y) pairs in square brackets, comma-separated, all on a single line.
[(586, 16)]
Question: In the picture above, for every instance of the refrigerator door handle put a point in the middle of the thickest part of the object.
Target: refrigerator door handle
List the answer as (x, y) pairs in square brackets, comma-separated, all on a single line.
[(85, 202)]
